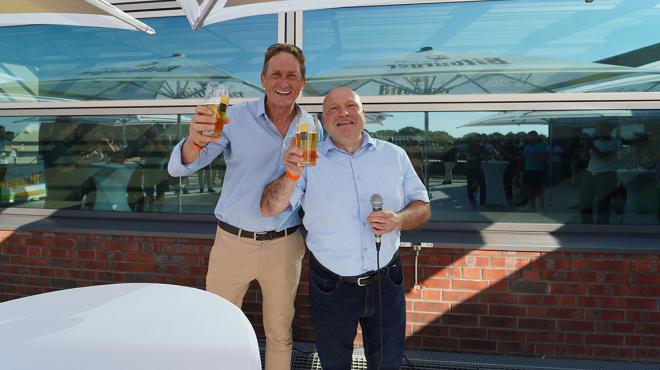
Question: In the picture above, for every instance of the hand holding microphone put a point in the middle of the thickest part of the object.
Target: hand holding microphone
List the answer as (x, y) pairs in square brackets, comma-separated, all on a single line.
[(382, 221), (377, 206)]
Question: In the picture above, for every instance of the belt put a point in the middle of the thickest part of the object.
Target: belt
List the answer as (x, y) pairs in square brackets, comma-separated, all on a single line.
[(259, 236), (365, 279)]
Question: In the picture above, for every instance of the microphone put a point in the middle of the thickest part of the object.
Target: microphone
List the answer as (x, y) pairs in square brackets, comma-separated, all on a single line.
[(377, 205)]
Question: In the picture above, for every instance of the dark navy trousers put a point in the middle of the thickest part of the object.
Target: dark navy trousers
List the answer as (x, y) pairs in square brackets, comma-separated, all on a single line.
[(338, 306)]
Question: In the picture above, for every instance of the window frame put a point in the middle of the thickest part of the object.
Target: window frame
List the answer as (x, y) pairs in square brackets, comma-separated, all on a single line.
[(290, 30)]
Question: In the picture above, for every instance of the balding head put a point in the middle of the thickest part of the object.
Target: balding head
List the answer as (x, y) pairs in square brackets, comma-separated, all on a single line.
[(343, 118)]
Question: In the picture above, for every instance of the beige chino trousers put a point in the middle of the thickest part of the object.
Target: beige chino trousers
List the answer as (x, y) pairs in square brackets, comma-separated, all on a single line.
[(236, 261)]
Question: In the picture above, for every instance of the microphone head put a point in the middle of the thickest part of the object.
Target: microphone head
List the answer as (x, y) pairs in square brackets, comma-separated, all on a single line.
[(377, 202)]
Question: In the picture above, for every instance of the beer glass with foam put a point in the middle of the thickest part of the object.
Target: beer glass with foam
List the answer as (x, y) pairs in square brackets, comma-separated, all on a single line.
[(216, 98), (307, 138)]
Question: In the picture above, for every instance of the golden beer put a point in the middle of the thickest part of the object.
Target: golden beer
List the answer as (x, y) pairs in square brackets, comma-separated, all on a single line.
[(307, 141), (216, 98), (220, 114)]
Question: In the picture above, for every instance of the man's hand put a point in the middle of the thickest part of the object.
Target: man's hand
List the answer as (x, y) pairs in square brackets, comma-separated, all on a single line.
[(204, 120), (292, 160), (277, 194), (385, 221)]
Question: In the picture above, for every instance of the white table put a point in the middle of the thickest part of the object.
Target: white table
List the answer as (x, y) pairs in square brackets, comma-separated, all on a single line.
[(111, 185), (126, 326)]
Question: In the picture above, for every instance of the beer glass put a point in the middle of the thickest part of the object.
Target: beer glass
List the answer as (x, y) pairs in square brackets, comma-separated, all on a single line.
[(307, 138), (216, 98)]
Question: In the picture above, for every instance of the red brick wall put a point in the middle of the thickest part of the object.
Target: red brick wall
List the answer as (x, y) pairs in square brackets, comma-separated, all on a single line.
[(563, 304)]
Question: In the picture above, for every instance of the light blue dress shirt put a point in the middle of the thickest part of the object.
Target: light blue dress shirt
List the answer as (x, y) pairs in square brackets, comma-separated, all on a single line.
[(336, 194), (253, 150)]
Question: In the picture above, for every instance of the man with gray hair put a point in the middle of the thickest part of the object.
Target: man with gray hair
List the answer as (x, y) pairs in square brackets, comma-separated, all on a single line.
[(247, 245)]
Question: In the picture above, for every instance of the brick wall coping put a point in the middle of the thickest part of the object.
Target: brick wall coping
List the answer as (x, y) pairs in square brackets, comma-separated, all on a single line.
[(511, 237)]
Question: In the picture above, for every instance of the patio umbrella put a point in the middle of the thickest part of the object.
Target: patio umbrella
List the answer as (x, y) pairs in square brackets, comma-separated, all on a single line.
[(213, 11), (6, 78), (91, 13), (557, 118), (175, 77), (431, 72)]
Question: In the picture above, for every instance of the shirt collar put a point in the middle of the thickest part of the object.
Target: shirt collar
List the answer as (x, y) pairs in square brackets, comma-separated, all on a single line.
[(261, 108), (367, 144)]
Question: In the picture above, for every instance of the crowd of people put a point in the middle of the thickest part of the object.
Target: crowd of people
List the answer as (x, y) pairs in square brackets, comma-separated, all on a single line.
[(589, 165)]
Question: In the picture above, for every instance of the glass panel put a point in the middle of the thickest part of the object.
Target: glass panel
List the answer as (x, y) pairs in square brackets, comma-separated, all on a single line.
[(599, 166), (100, 163), (84, 63), (485, 47), (478, 166)]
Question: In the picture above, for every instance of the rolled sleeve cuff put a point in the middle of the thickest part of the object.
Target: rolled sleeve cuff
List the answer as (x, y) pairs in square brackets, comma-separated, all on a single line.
[(296, 196), (175, 166), (419, 195)]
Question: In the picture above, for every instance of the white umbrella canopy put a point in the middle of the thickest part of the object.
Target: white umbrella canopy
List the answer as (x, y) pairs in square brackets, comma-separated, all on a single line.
[(204, 12), (175, 77), (431, 72), (556, 118), (90, 13)]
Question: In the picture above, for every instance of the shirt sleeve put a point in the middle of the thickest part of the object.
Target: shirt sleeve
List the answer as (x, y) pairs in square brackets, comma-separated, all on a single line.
[(298, 192), (175, 166)]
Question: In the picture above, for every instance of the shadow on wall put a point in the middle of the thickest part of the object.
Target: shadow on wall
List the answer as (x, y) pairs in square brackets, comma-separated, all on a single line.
[(555, 304), (558, 304)]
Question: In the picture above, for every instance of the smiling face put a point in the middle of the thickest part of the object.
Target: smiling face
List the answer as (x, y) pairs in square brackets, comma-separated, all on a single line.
[(343, 118), (282, 80)]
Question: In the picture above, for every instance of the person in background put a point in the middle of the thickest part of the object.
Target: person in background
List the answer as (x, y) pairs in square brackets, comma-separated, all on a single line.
[(512, 154), (247, 245), (534, 161), (580, 159), (155, 179), (476, 179), (345, 286), (554, 158), (132, 153), (449, 156), (600, 183), (205, 177), (103, 147), (415, 151), (69, 180)]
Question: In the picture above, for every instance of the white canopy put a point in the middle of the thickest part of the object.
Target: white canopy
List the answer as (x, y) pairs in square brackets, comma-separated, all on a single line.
[(556, 117), (175, 77), (431, 72), (204, 12), (91, 13)]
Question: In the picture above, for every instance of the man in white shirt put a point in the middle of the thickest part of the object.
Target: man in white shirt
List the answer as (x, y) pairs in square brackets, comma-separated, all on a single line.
[(600, 183)]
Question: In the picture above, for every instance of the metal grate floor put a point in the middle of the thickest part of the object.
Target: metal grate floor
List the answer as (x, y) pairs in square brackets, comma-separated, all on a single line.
[(306, 358)]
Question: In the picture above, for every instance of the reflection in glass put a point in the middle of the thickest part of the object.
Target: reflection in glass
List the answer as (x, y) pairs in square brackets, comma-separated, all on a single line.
[(64, 63), (484, 47), (598, 166), (99, 163), (533, 166)]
